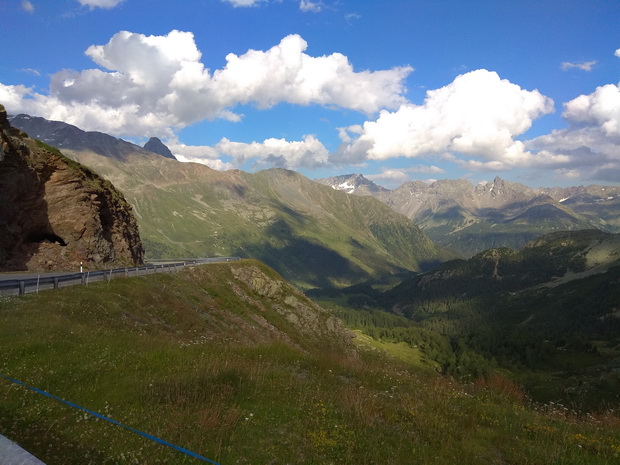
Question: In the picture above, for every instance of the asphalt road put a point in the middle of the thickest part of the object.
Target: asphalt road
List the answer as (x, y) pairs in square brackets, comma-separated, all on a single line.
[(188, 261)]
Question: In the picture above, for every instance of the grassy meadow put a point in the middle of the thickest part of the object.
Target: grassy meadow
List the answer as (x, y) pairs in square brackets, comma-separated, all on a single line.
[(232, 363)]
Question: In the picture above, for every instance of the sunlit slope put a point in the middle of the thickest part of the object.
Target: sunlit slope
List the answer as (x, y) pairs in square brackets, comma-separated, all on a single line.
[(232, 363), (312, 234)]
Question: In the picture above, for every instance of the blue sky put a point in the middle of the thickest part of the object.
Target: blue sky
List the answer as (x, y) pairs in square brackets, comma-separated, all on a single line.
[(396, 90)]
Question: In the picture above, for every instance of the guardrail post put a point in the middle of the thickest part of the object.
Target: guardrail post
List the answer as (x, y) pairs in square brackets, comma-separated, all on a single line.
[(22, 288), (55, 282)]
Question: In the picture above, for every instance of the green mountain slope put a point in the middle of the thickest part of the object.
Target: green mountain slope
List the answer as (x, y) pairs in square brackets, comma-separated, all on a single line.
[(311, 234), (232, 363), (549, 313)]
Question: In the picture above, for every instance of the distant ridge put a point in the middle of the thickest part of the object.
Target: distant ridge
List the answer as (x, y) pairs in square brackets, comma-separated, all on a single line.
[(66, 136), (601, 202), (468, 219)]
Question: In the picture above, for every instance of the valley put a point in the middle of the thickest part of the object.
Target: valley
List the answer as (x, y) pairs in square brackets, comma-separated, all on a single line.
[(547, 314), (309, 232)]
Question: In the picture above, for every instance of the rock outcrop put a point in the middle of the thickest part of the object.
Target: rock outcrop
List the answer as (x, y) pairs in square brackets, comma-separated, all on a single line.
[(296, 308), (55, 213)]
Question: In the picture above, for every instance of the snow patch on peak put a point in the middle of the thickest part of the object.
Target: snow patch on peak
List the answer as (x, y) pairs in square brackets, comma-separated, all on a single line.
[(345, 186)]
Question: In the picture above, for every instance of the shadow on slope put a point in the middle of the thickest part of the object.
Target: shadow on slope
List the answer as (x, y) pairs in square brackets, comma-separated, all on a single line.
[(302, 260)]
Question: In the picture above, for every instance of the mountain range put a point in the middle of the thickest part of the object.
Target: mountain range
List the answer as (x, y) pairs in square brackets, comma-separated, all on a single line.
[(469, 219), (189, 209), (66, 136), (313, 235)]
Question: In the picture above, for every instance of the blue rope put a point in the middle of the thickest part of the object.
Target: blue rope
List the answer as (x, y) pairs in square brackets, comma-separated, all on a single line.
[(98, 415)]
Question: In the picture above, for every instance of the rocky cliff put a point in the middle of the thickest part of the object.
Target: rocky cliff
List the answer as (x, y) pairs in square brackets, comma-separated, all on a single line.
[(55, 213)]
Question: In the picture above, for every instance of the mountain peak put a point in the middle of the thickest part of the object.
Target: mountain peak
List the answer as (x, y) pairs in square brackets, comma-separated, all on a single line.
[(155, 145), (502, 188), (353, 184)]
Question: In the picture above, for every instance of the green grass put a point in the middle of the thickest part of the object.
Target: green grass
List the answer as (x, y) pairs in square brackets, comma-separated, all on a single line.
[(398, 350), (206, 361)]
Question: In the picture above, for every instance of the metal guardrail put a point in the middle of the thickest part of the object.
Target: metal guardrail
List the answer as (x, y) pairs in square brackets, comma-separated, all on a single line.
[(41, 283)]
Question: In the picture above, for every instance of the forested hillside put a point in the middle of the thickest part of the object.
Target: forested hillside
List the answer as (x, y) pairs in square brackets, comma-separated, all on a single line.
[(548, 314)]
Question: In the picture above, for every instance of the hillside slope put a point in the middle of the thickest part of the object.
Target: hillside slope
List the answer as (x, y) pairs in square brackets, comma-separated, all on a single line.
[(311, 234), (232, 363), (55, 213), (548, 312)]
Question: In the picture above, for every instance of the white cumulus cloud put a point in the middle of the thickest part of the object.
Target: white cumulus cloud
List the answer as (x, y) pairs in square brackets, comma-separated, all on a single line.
[(478, 115), (307, 153), (389, 178), (601, 108), (272, 152), (154, 84), (14, 97), (590, 146), (393, 177), (285, 73), (204, 155)]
